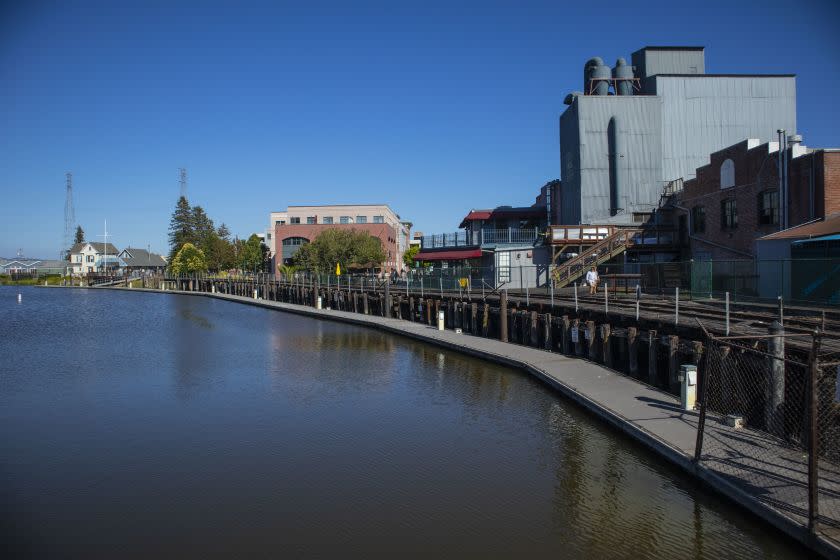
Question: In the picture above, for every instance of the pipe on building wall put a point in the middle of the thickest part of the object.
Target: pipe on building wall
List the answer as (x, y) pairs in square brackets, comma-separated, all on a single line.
[(616, 151)]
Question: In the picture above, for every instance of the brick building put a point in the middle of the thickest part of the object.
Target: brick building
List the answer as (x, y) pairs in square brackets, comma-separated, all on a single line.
[(297, 225), (734, 199)]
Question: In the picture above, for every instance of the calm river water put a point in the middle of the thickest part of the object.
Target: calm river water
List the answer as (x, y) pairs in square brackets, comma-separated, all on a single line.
[(138, 425)]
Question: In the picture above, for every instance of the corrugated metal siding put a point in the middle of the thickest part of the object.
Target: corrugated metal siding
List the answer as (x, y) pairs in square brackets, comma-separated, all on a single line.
[(640, 126), (703, 115), (570, 150), (671, 61)]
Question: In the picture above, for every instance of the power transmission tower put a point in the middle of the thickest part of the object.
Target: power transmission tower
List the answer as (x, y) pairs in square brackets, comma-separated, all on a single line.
[(183, 182), (69, 217)]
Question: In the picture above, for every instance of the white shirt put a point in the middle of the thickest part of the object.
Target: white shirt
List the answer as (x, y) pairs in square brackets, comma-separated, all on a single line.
[(591, 277)]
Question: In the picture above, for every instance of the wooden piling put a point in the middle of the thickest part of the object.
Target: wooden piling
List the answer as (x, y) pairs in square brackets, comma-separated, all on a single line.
[(653, 347), (503, 312), (606, 348), (593, 341), (547, 344), (565, 333), (673, 364), (633, 351)]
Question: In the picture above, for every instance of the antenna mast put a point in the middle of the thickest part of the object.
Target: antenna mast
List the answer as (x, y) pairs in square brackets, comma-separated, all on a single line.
[(69, 217), (183, 181)]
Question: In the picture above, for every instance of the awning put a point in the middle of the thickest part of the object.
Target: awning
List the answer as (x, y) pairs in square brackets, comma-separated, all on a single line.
[(448, 255)]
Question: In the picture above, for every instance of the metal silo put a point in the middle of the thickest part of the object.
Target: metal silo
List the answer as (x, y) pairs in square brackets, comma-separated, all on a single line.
[(596, 77), (623, 75)]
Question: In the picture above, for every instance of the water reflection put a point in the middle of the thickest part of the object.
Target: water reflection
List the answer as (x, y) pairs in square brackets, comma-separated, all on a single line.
[(201, 428)]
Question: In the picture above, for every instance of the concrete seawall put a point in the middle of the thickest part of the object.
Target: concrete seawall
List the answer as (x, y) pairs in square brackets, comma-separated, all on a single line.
[(648, 415)]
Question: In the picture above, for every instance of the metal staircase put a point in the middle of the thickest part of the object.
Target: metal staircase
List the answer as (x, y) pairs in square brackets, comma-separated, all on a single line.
[(597, 254)]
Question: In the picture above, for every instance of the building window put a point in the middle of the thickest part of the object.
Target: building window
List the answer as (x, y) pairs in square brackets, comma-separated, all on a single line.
[(327, 219), (311, 219), (89, 258), (728, 214), (344, 220), (768, 207), (504, 267), (361, 219), (294, 220), (698, 219), (379, 219), (727, 174), (268, 235), (293, 241)]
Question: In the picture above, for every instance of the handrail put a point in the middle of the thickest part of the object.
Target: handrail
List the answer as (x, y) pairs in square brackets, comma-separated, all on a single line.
[(574, 267)]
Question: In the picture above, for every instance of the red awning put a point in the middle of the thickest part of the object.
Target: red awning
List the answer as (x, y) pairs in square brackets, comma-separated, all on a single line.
[(448, 255)]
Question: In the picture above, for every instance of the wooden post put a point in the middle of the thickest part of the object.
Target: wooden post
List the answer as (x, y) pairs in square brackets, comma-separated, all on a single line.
[(474, 318), (485, 320), (565, 329), (503, 311), (365, 304), (535, 334), (579, 343), (606, 349), (673, 365), (633, 351), (653, 347), (593, 341), (411, 308), (547, 344)]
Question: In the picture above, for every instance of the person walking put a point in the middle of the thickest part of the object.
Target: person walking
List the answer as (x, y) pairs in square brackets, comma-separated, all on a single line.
[(592, 280)]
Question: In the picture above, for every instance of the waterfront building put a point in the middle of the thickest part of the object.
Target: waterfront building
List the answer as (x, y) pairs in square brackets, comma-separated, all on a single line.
[(91, 257), (634, 129), (297, 225), (33, 267), (500, 246), (141, 260)]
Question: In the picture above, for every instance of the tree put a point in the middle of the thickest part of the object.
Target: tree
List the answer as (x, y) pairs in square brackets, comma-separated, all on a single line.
[(181, 229), (80, 235), (253, 256), (340, 246), (408, 256), (188, 260)]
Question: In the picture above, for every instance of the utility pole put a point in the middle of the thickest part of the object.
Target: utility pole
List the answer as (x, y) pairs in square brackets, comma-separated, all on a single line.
[(183, 181), (69, 216)]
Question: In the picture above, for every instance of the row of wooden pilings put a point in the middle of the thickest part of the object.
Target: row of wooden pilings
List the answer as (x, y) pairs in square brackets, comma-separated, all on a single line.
[(646, 355)]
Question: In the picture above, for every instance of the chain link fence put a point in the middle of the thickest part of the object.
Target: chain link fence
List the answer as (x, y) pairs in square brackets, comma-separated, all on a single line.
[(769, 422)]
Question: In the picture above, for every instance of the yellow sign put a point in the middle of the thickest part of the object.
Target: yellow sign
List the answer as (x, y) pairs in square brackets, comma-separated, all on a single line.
[(337, 269), (463, 282)]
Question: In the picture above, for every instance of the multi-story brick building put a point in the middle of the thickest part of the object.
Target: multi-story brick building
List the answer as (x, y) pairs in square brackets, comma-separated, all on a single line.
[(734, 199), (297, 225)]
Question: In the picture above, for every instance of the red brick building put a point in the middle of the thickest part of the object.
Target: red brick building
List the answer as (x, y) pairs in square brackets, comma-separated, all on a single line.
[(735, 199)]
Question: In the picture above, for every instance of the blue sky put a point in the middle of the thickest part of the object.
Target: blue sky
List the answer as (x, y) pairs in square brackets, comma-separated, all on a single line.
[(431, 107)]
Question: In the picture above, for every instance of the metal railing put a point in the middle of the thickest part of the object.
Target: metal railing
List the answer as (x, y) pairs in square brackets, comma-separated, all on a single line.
[(487, 236)]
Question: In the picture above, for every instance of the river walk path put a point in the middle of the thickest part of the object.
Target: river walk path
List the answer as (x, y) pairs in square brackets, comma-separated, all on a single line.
[(776, 491)]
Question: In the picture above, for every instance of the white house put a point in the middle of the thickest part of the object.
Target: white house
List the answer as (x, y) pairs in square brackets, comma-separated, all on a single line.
[(90, 257)]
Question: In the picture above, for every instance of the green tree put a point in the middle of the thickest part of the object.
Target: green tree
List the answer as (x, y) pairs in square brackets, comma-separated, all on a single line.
[(188, 260), (340, 246), (408, 256), (253, 255), (80, 235), (181, 229)]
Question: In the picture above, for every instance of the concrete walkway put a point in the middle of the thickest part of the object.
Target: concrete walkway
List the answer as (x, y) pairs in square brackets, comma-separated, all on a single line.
[(734, 462)]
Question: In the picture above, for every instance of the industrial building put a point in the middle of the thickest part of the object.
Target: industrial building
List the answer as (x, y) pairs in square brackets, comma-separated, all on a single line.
[(635, 129)]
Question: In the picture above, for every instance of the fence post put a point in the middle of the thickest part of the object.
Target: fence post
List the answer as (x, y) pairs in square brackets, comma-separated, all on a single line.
[(606, 298), (576, 299), (727, 313), (775, 388), (813, 436)]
